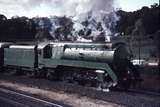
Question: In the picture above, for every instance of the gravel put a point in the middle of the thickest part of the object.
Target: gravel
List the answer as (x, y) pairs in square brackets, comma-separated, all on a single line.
[(86, 94)]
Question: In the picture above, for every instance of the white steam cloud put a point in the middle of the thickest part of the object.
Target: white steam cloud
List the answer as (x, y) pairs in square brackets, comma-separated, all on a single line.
[(32, 8), (99, 14)]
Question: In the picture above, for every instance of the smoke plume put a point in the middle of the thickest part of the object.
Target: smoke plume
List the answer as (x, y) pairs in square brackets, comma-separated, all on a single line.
[(90, 17), (44, 8)]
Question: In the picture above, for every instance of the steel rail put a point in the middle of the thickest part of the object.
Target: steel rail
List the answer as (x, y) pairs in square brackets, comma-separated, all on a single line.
[(30, 97)]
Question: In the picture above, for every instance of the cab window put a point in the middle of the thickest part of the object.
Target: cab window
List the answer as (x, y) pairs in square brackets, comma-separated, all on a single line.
[(47, 52)]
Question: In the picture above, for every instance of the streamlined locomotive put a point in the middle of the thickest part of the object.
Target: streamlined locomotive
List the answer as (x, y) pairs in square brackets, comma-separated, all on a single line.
[(98, 64)]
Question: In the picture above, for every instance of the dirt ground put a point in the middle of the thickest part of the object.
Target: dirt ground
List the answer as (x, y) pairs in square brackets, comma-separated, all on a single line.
[(151, 78), (69, 99)]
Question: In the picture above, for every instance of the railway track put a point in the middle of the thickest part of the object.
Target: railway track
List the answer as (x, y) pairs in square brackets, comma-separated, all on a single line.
[(144, 92), (138, 91), (16, 99), (130, 98)]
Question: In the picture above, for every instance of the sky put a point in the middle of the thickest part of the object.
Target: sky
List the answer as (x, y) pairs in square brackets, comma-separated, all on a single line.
[(31, 8), (132, 5)]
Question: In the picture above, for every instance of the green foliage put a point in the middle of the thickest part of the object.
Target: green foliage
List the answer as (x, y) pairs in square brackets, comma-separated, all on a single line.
[(21, 28), (150, 20)]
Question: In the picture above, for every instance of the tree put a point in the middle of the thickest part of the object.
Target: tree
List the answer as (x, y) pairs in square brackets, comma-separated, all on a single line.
[(157, 39)]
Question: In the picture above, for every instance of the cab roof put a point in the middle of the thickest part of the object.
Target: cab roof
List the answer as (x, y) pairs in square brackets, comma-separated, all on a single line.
[(4, 44)]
